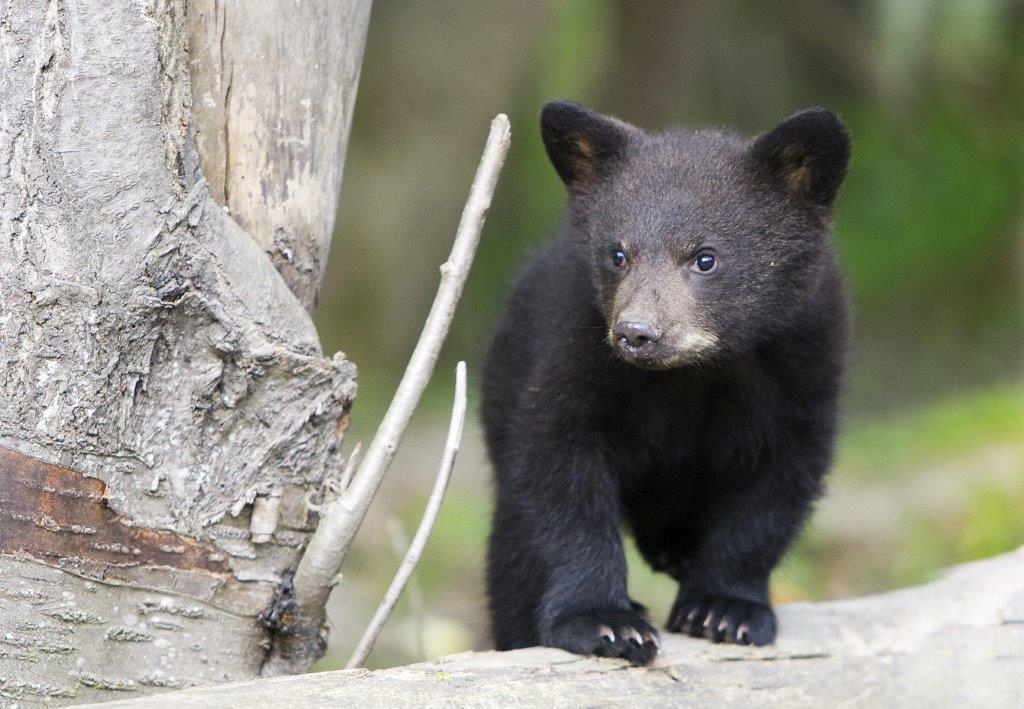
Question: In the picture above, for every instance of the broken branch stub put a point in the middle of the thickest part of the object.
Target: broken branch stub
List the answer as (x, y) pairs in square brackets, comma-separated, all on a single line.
[(297, 646)]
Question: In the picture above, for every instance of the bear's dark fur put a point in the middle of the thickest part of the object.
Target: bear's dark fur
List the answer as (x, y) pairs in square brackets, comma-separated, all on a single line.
[(670, 362)]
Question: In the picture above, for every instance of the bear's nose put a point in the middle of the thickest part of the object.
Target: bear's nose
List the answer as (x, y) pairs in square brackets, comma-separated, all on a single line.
[(636, 336)]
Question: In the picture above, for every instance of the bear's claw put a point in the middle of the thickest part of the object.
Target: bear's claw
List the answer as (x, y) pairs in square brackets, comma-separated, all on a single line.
[(723, 619), (624, 634)]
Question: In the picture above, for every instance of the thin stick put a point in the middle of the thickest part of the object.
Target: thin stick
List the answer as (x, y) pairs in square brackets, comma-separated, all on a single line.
[(419, 541), (350, 467), (340, 518), (417, 607)]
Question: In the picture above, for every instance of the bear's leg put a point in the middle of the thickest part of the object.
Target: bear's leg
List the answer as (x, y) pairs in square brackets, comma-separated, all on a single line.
[(561, 519), (515, 580), (723, 594)]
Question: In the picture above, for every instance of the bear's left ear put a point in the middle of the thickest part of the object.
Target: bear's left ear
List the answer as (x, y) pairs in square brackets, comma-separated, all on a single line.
[(805, 156)]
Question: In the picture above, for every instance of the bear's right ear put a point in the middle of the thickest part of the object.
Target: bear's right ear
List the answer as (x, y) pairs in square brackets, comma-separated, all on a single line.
[(805, 156), (583, 145)]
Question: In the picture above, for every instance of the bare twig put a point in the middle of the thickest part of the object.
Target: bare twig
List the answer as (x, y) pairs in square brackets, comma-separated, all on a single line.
[(295, 650), (419, 541), (350, 467), (413, 591)]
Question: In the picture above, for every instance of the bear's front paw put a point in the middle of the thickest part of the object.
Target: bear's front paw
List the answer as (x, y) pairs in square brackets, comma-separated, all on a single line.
[(722, 619), (624, 634)]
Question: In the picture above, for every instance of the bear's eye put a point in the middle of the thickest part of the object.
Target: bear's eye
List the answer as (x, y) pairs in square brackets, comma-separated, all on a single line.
[(618, 257), (705, 262)]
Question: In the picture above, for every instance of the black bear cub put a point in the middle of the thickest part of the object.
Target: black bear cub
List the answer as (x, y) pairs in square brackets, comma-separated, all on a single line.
[(670, 362)]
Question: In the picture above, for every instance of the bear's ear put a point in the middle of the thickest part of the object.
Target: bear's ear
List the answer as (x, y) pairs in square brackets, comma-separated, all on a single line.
[(805, 156), (583, 145)]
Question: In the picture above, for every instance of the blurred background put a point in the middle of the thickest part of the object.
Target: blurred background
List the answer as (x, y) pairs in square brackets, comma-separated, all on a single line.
[(930, 223)]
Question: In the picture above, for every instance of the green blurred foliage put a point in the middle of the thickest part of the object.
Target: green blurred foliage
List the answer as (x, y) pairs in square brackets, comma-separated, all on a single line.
[(944, 429), (930, 469)]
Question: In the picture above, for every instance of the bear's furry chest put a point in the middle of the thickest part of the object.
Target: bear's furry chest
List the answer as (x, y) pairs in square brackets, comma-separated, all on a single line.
[(696, 438)]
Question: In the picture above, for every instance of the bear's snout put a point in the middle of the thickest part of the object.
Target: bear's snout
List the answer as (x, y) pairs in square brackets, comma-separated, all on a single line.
[(636, 338)]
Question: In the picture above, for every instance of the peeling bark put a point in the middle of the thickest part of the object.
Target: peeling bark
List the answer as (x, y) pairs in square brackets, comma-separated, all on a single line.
[(58, 516), (157, 373)]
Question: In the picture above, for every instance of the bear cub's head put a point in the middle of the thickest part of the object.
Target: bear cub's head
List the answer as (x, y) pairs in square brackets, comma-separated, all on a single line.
[(701, 244)]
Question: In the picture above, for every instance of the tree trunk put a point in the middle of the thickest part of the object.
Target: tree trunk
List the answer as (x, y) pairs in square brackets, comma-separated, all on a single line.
[(159, 377)]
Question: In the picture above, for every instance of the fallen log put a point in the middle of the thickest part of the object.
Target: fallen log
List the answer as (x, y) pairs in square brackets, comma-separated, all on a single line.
[(958, 641)]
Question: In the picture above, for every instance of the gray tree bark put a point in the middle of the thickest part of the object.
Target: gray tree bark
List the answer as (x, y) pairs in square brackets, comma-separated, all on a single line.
[(160, 376)]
